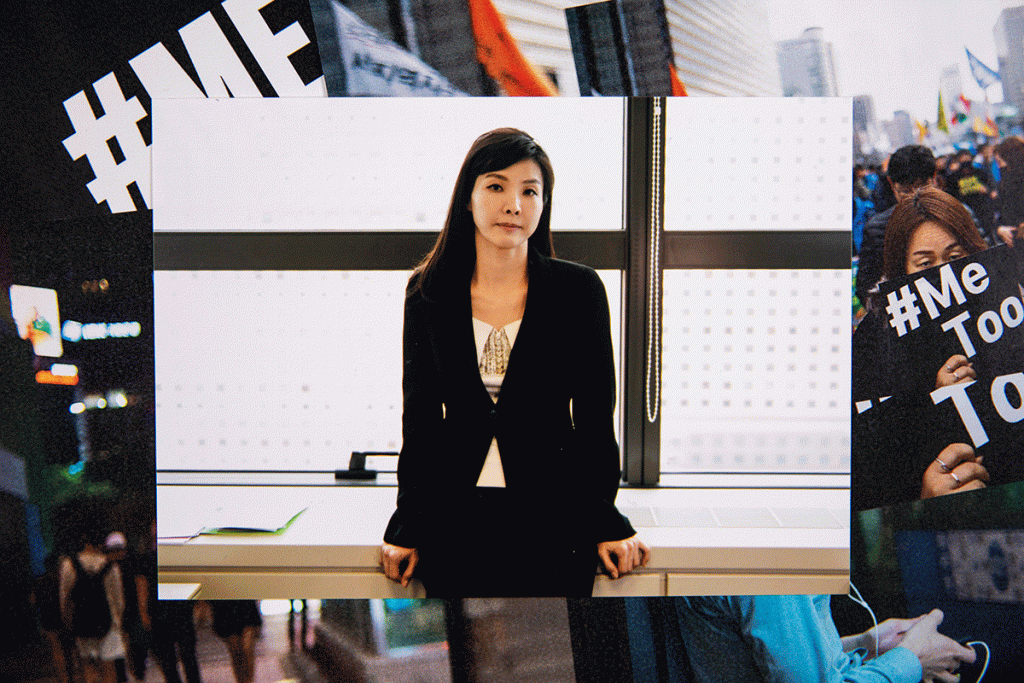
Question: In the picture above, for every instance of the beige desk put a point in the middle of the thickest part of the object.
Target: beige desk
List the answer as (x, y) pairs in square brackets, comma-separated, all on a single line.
[(704, 541)]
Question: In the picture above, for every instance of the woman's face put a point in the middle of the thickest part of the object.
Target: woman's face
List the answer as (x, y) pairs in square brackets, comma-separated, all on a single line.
[(931, 245), (507, 204)]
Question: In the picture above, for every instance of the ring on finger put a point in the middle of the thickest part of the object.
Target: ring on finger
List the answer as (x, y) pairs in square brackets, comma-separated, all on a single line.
[(955, 478), (944, 466)]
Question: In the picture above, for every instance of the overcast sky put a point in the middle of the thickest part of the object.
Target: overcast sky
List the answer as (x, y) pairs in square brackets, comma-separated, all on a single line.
[(895, 50)]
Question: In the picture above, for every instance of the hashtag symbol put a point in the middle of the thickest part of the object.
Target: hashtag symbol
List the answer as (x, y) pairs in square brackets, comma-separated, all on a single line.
[(95, 138), (903, 310)]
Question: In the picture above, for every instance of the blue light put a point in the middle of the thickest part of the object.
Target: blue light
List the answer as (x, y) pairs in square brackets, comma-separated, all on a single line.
[(76, 468)]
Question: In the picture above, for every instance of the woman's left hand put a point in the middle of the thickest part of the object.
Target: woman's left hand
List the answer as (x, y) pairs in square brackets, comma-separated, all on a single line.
[(955, 370), (955, 469), (622, 557)]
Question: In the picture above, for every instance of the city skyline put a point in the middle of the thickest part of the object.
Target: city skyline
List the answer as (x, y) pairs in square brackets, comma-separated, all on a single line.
[(896, 51)]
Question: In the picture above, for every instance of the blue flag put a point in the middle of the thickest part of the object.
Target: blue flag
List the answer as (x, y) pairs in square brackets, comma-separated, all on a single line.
[(982, 74)]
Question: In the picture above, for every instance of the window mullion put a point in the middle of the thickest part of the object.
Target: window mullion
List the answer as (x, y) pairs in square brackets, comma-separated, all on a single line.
[(641, 373)]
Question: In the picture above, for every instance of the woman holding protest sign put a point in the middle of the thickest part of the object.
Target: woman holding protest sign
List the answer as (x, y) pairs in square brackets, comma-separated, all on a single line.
[(929, 229), (509, 466)]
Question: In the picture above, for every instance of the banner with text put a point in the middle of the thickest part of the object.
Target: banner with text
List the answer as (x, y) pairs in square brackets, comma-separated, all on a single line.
[(77, 139), (972, 307)]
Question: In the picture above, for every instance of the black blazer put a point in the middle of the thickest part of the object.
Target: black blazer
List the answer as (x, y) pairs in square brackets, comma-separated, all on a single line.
[(560, 465)]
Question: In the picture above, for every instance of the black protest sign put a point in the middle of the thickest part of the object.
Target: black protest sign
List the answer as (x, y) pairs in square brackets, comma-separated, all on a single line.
[(971, 307), (82, 76), (895, 440), (890, 450)]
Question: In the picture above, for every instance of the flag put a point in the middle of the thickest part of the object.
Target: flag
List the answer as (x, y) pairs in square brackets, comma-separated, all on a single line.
[(986, 127), (374, 66), (982, 74), (677, 85), (498, 52), (922, 130), (961, 107), (990, 128), (941, 123)]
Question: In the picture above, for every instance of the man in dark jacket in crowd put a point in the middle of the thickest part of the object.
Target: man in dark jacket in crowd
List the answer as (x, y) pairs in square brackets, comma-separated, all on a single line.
[(974, 187), (910, 168)]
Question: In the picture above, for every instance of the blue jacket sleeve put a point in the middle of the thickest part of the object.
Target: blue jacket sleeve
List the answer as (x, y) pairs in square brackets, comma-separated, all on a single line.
[(780, 639)]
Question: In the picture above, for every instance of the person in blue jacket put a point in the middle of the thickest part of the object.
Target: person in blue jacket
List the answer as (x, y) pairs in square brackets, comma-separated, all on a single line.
[(792, 639)]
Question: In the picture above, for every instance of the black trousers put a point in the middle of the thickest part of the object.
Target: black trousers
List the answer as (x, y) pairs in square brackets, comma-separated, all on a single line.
[(494, 547)]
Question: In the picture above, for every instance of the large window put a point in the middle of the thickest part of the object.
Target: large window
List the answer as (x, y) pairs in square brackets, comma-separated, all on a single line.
[(756, 366), (282, 370), (285, 231)]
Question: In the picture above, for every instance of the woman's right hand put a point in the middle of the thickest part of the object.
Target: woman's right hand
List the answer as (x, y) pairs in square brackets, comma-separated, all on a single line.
[(956, 469), (956, 369), (622, 557), (392, 557)]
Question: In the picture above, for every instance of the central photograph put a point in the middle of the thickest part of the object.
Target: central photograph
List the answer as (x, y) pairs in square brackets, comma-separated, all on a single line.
[(393, 361)]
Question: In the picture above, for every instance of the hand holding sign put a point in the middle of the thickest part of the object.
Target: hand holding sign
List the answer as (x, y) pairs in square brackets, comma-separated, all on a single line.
[(956, 469), (939, 363), (956, 369)]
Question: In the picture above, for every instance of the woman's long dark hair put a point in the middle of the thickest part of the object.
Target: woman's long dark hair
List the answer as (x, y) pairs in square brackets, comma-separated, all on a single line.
[(927, 204), (453, 257)]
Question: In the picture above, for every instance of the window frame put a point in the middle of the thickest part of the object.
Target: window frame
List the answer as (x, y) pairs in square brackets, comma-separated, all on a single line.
[(642, 251)]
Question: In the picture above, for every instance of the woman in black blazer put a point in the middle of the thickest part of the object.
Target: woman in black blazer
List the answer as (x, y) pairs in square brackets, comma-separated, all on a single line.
[(509, 497)]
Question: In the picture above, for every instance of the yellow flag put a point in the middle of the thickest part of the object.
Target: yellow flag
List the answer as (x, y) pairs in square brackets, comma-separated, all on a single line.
[(942, 125), (922, 130)]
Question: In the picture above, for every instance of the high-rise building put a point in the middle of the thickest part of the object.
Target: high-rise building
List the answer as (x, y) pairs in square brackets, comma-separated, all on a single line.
[(900, 130), (806, 66), (863, 112), (723, 47), (951, 86), (541, 32), (867, 137), (1009, 34), (621, 48), (719, 47)]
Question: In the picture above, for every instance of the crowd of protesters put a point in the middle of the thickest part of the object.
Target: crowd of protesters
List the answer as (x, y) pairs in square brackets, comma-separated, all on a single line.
[(917, 212), (988, 180)]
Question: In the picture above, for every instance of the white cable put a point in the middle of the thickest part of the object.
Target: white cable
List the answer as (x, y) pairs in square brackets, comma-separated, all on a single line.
[(988, 657), (860, 601), (874, 631)]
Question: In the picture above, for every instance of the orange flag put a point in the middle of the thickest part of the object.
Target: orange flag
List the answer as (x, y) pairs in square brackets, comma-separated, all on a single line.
[(498, 52), (677, 85)]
